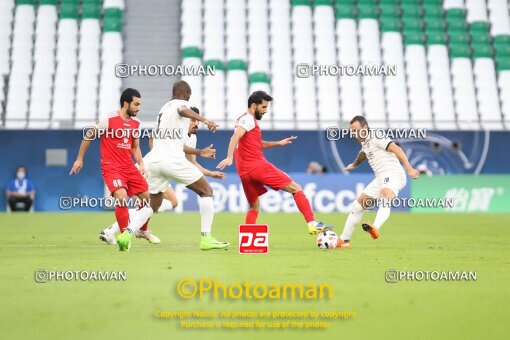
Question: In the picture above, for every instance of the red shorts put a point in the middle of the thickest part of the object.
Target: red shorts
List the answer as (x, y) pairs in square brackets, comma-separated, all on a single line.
[(254, 182), (130, 179)]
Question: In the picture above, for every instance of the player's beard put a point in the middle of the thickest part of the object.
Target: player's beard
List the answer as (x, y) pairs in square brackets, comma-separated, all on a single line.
[(258, 115), (131, 113)]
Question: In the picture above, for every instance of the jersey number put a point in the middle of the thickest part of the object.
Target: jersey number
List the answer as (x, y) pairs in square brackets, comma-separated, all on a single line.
[(117, 183)]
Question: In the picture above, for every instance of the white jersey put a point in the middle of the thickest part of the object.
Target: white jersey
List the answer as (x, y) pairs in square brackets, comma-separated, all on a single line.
[(191, 141), (174, 127), (381, 161)]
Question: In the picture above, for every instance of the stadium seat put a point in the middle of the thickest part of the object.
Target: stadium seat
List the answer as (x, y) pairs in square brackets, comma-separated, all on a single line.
[(236, 30), (327, 85), (396, 91), (237, 91), (214, 93), (350, 86), (487, 93), (193, 56), (191, 23), (464, 93), (418, 85), (498, 17), (302, 43), (441, 87), (213, 30), (282, 72), (476, 11), (115, 4)]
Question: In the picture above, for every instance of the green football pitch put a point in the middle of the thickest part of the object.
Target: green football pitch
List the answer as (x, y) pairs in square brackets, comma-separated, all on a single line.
[(127, 309)]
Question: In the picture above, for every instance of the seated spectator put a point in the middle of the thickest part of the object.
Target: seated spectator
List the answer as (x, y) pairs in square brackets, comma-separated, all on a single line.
[(20, 191)]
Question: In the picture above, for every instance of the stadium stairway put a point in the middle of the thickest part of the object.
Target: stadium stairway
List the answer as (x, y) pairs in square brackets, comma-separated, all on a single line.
[(152, 37)]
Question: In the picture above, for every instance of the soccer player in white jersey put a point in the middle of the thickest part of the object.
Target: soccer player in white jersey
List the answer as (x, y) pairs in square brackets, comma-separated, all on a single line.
[(169, 197), (167, 161), (384, 157)]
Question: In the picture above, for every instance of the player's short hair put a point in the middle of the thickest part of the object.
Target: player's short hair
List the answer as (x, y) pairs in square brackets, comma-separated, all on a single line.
[(195, 109), (257, 97), (360, 119), (127, 96)]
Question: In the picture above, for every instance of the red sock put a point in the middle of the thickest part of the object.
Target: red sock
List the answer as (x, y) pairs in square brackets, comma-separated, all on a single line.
[(304, 206), (122, 215), (251, 216), (145, 226)]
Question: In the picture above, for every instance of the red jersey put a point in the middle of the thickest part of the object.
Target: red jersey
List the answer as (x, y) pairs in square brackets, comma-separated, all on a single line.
[(248, 154), (117, 137)]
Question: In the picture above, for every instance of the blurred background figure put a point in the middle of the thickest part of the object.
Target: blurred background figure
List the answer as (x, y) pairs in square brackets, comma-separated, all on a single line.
[(20, 191), (424, 170), (315, 168)]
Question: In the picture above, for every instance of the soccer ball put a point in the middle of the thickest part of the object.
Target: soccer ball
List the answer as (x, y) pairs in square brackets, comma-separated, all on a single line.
[(327, 240)]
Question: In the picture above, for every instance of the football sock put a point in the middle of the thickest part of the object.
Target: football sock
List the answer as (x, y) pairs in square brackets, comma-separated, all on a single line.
[(140, 218), (353, 219), (145, 226), (382, 215), (206, 207), (122, 216), (251, 216), (166, 205), (304, 206)]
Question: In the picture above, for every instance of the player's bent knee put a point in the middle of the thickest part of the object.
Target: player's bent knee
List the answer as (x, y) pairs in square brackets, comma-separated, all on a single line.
[(388, 193), (357, 207)]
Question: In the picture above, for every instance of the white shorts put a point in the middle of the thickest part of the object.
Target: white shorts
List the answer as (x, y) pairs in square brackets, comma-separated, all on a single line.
[(179, 169), (393, 181)]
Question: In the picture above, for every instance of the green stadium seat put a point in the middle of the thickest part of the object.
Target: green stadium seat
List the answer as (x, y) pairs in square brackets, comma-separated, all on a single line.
[(434, 24), (455, 14), (411, 10), (47, 2), (112, 20), (91, 10), (236, 64), (390, 25), (458, 37), (389, 2), (69, 10), (216, 63), (344, 12), (367, 11), (482, 51), (345, 2), (502, 50), (259, 77), (414, 24), (301, 3), (25, 2), (503, 64), (432, 10), (456, 25), (323, 3), (413, 37), (459, 51), (502, 39), (191, 52), (479, 27), (389, 11), (435, 38), (480, 37)]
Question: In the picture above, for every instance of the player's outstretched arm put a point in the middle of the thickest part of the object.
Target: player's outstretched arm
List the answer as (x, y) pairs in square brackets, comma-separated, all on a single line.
[(283, 142), (392, 147), (91, 134), (207, 152), (360, 159), (183, 111), (238, 133), (206, 172)]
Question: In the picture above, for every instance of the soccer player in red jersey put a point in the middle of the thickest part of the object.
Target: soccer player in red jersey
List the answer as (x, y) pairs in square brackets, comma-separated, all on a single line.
[(254, 169), (118, 132)]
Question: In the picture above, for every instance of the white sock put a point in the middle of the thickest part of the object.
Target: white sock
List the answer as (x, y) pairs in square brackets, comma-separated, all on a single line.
[(382, 215), (353, 219), (206, 206), (114, 228), (166, 205), (139, 218), (313, 223)]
